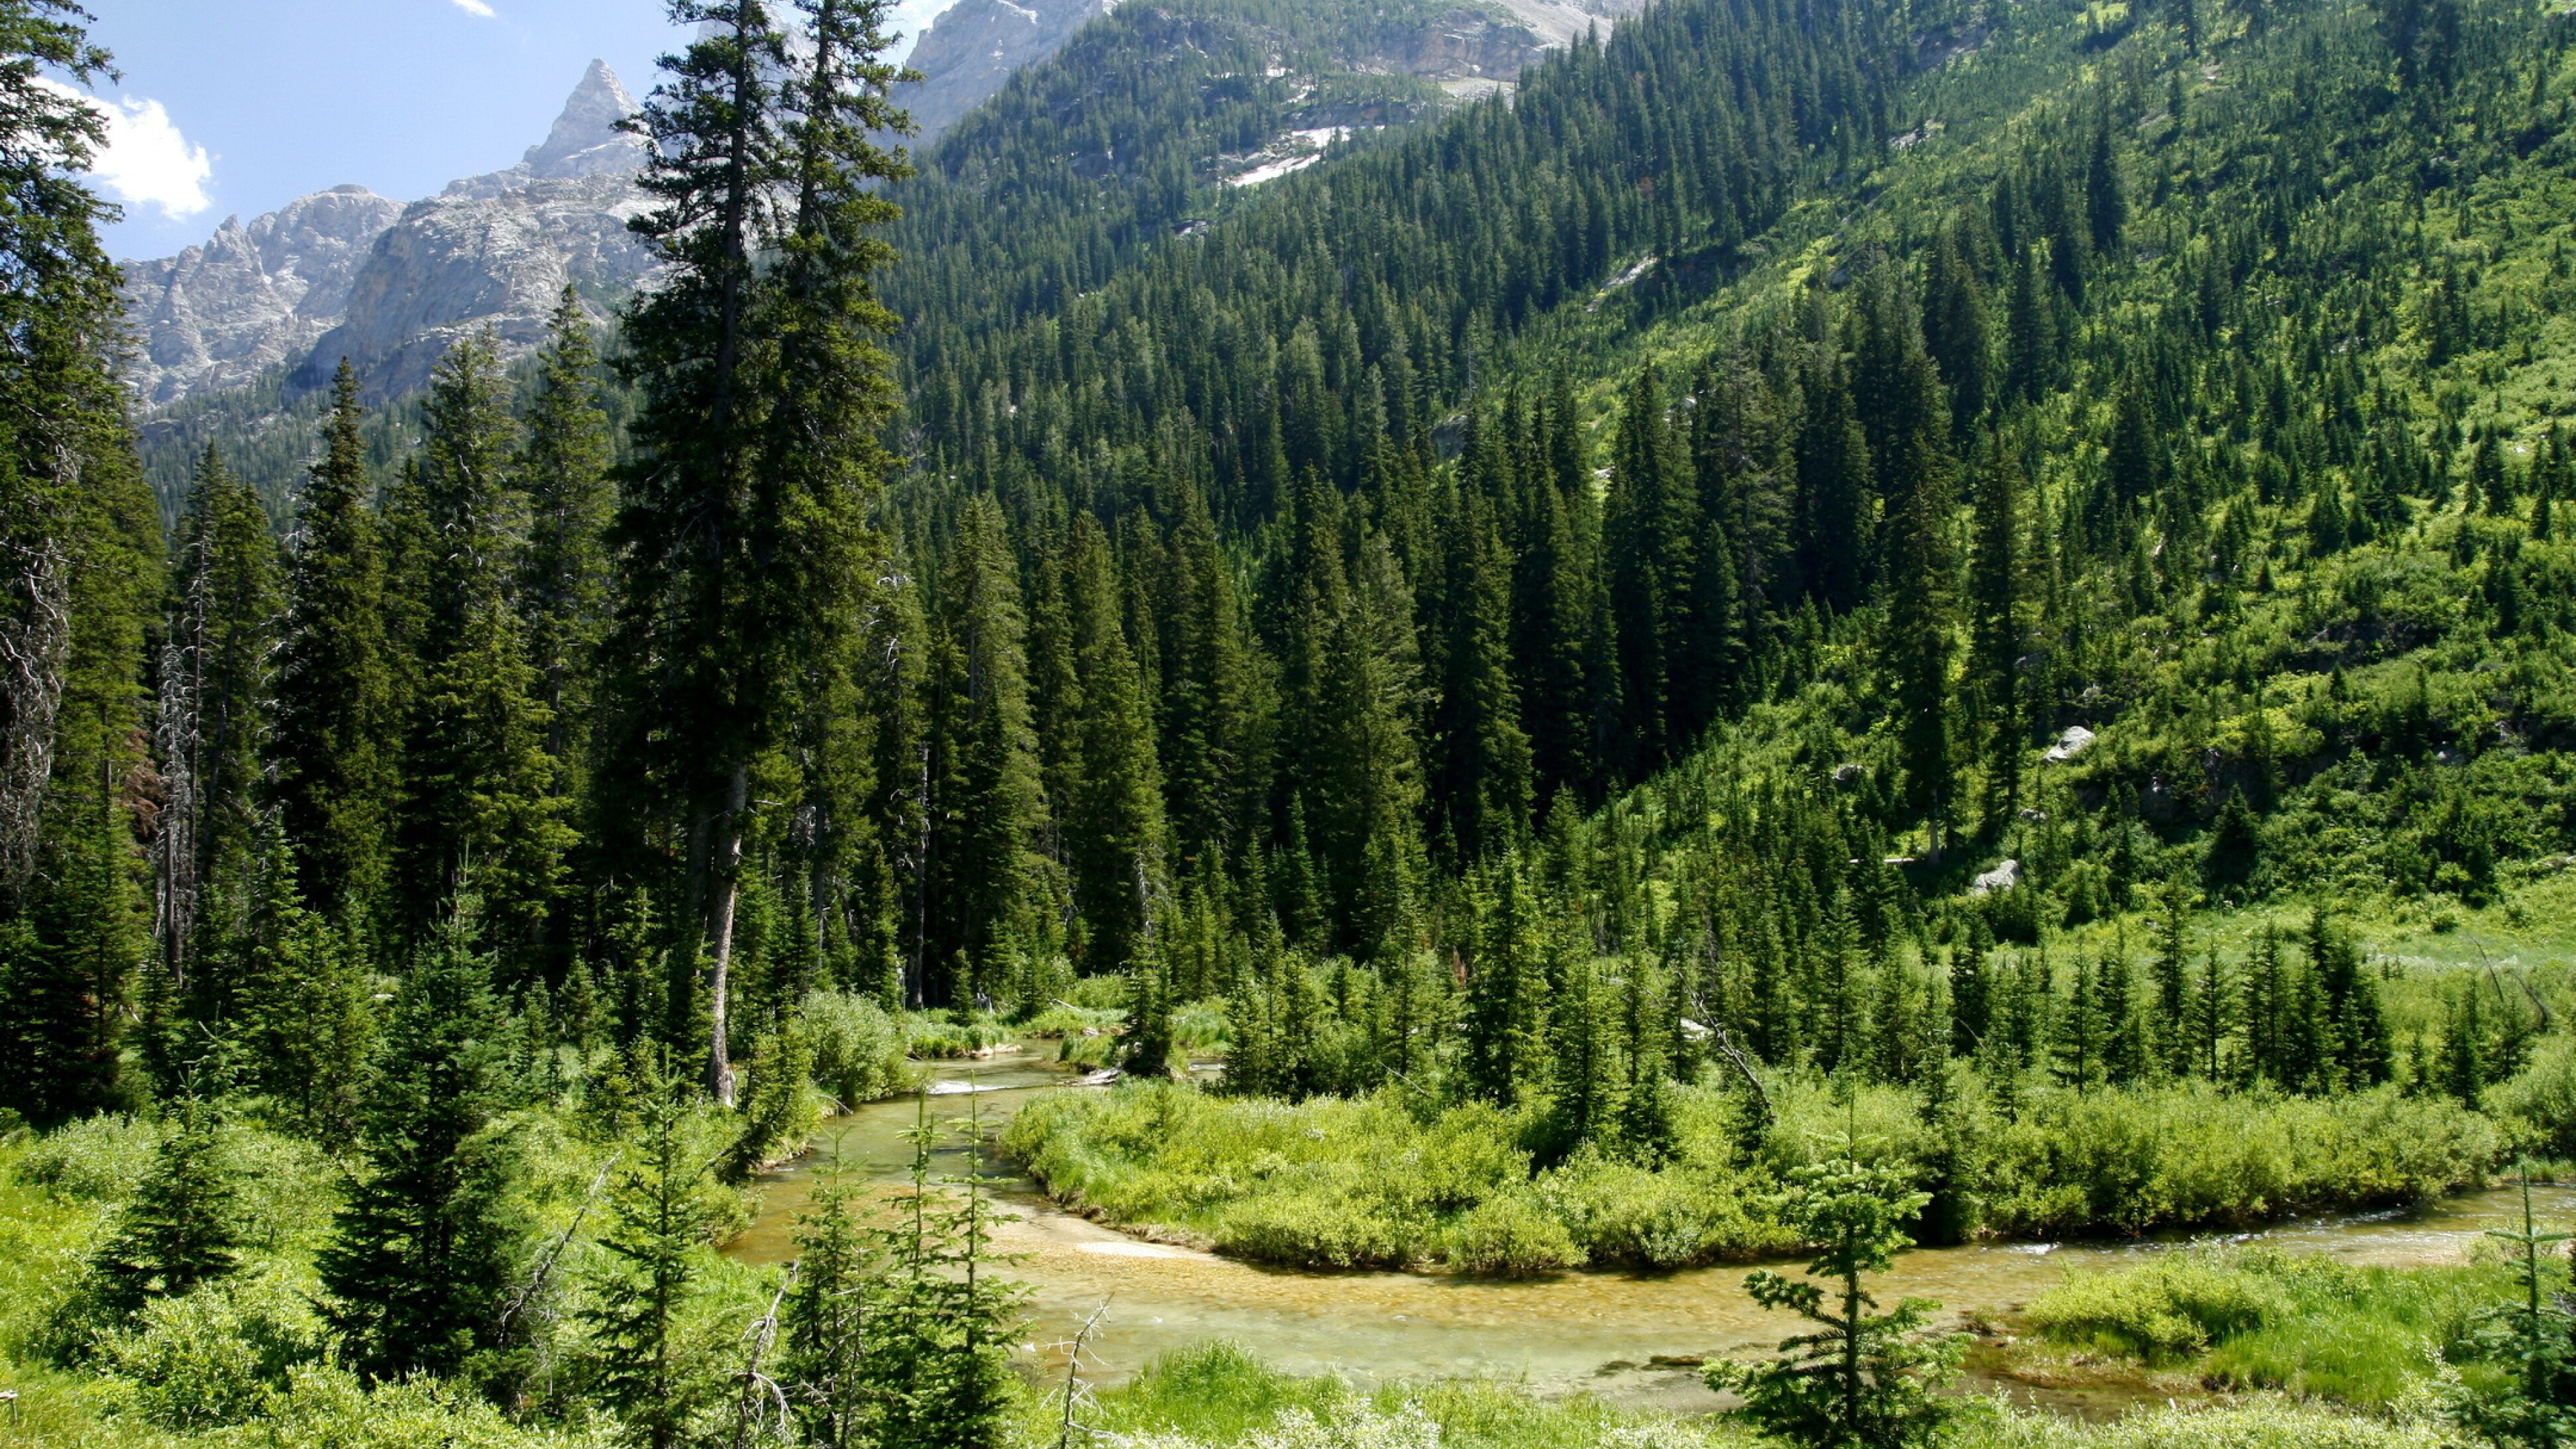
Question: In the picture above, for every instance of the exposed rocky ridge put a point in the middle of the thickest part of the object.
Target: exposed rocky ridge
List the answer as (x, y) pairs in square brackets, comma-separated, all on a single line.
[(252, 297), (348, 273), (975, 46), (1473, 47)]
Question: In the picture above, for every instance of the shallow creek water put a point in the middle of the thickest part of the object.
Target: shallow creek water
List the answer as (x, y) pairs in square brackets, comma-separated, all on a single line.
[(1599, 1332)]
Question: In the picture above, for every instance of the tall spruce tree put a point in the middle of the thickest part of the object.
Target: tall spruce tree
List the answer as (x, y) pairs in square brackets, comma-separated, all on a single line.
[(987, 797), (562, 472), (80, 575), (335, 749), (479, 806), (744, 536), (1113, 815), (213, 696)]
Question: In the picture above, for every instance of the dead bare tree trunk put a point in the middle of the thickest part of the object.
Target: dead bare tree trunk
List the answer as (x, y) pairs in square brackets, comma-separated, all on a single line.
[(35, 642), (722, 893), (176, 732)]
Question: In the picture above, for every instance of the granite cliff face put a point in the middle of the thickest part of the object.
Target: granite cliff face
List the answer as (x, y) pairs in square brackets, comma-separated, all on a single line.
[(348, 273), (253, 296), (496, 251), (971, 51)]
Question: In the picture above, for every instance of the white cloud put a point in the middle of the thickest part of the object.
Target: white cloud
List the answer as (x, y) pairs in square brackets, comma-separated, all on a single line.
[(146, 162), (475, 8)]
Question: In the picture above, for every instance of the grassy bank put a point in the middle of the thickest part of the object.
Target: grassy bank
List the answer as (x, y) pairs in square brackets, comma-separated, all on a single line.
[(1222, 1398), (1385, 1181), (2372, 1338)]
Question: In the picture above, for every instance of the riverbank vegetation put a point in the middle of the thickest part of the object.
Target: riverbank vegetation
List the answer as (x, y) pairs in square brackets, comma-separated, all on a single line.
[(1222, 1398), (1384, 1182)]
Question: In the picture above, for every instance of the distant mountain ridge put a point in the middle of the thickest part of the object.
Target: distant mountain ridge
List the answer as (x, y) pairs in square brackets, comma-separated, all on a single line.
[(346, 272), (391, 285), (349, 273)]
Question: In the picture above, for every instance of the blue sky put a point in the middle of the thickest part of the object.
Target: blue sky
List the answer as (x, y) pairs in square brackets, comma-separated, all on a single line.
[(239, 106)]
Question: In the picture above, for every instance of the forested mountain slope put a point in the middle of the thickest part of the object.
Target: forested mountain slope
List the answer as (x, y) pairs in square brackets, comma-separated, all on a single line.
[(1788, 470)]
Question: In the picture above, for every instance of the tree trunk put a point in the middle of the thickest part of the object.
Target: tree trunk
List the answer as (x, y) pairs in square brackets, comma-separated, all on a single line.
[(725, 888)]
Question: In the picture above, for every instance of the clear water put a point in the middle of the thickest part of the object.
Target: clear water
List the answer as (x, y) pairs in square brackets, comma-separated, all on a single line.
[(1601, 1332)]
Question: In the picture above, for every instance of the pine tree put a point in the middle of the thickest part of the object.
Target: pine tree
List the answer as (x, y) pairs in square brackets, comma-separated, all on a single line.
[(651, 1365), (80, 535), (1113, 817), (827, 1316), (335, 746), (183, 1228), (1209, 706), (937, 1361), (1648, 535), (297, 1007), (1921, 590), (2106, 199), (213, 687), (1483, 775), (1505, 990), (987, 801), (562, 587), (1997, 620), (744, 536), (479, 805), (427, 1246), (1863, 1377), (2030, 331), (2235, 845), (2170, 978), (1833, 488), (1363, 791), (481, 812), (2359, 1052), (1955, 330)]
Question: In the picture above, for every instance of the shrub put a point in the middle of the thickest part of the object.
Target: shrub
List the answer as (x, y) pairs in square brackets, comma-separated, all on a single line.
[(1319, 1229), (2537, 1105), (1624, 1214), (2164, 1313), (2249, 1426), (2258, 1318), (2188, 1155), (933, 1038), (858, 1052), (328, 1408), (1508, 1235), (215, 1356), (99, 1159)]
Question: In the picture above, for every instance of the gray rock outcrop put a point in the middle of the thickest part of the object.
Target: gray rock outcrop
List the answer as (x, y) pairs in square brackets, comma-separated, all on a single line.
[(348, 273), (251, 297), (496, 251), (975, 46)]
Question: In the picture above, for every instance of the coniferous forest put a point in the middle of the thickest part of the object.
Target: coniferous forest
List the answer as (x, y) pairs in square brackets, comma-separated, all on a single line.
[(1831, 633)]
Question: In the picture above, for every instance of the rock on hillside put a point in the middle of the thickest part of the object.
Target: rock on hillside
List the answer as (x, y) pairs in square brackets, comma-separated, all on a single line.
[(495, 251), (253, 296), (971, 51), (1485, 47), (349, 273)]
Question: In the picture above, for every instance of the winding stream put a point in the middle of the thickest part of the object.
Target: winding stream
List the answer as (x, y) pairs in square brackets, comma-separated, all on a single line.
[(1595, 1331)]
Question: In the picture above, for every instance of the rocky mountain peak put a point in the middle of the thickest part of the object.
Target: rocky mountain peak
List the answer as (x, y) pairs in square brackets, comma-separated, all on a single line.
[(585, 140)]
